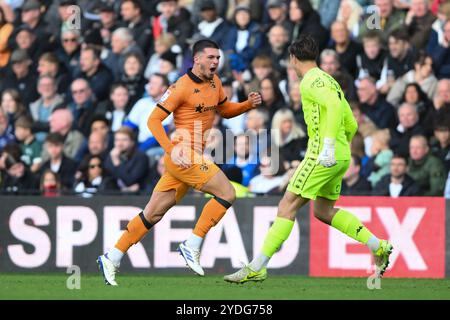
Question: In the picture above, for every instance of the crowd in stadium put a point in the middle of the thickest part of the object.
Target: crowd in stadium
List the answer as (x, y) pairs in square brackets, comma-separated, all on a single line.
[(77, 87)]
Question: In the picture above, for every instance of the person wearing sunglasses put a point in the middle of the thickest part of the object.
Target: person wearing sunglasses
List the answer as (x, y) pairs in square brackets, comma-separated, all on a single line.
[(93, 178)]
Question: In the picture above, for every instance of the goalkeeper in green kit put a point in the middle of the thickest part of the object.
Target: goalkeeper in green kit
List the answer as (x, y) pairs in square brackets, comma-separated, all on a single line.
[(331, 127)]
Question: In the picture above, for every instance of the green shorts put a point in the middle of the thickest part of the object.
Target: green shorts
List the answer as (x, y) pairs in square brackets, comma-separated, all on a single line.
[(312, 180)]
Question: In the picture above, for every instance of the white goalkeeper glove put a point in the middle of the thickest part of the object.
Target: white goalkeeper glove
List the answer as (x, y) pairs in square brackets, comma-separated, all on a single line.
[(326, 156)]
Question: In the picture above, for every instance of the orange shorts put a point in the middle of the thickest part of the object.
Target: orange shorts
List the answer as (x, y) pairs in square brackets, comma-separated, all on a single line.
[(180, 179)]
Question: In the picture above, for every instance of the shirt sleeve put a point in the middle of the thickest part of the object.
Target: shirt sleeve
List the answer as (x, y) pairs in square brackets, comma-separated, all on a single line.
[(171, 99)]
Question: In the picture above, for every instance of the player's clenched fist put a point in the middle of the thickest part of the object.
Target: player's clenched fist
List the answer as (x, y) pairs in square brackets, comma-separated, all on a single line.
[(181, 156), (255, 98)]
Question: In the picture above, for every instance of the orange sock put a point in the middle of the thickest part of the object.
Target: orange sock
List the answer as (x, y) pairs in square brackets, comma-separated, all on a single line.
[(213, 211), (137, 228)]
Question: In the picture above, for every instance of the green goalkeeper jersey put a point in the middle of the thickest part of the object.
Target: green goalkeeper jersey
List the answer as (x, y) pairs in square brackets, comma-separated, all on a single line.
[(327, 114)]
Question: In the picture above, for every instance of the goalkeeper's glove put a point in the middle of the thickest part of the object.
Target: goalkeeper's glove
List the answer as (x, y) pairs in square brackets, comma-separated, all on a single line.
[(326, 156)]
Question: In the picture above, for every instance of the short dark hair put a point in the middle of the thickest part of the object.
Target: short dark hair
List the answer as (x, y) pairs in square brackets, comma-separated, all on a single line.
[(304, 49), (164, 78), (101, 118), (400, 156), (400, 34), (136, 4), (55, 138), (201, 45)]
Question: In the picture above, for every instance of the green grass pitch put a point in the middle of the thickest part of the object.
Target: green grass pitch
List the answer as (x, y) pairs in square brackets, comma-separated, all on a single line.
[(191, 287)]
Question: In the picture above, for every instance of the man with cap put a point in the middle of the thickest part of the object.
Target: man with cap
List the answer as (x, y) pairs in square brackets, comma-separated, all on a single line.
[(220, 5), (212, 26), (108, 20), (31, 16), (20, 77), (278, 15)]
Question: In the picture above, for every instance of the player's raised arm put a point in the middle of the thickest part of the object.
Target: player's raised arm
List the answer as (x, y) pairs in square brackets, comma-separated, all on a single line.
[(228, 109)]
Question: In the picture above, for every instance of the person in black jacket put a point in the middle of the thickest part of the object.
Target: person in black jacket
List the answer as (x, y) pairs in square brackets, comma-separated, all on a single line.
[(132, 15), (306, 21), (126, 163), (93, 70), (398, 183), (58, 162), (18, 178), (408, 127)]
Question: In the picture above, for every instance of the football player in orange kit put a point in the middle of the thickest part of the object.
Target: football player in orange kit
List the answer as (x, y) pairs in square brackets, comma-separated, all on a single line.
[(194, 100)]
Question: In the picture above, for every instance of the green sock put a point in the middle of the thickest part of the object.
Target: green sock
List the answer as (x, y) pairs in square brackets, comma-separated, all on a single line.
[(278, 233), (347, 223)]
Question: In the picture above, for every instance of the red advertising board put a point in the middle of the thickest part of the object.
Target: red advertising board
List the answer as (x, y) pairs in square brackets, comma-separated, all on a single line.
[(415, 226)]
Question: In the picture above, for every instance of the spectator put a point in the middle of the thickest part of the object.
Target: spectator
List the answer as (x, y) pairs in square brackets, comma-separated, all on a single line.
[(58, 163), (440, 142), (173, 19), (126, 163), (306, 21), (399, 61), (168, 66), (272, 98), (288, 136), (133, 77), (122, 42), (381, 156), (49, 65), (346, 48), (353, 184), (437, 35), (426, 169), (381, 112), (109, 23), (440, 53), (18, 179), (277, 48), (278, 15), (162, 44), (133, 19), (42, 108), (22, 78), (69, 51), (262, 67), (269, 180), (118, 106), (12, 106), (31, 15), (244, 158), (212, 26), (244, 39), (350, 12), (397, 183), (26, 39), (329, 62), (50, 185), (371, 60), (84, 105), (93, 178), (138, 116), (6, 29), (256, 124), (365, 126), (6, 131), (422, 74), (357, 147), (414, 95), (409, 126), (30, 147), (101, 124), (419, 20), (390, 17), (95, 72)]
